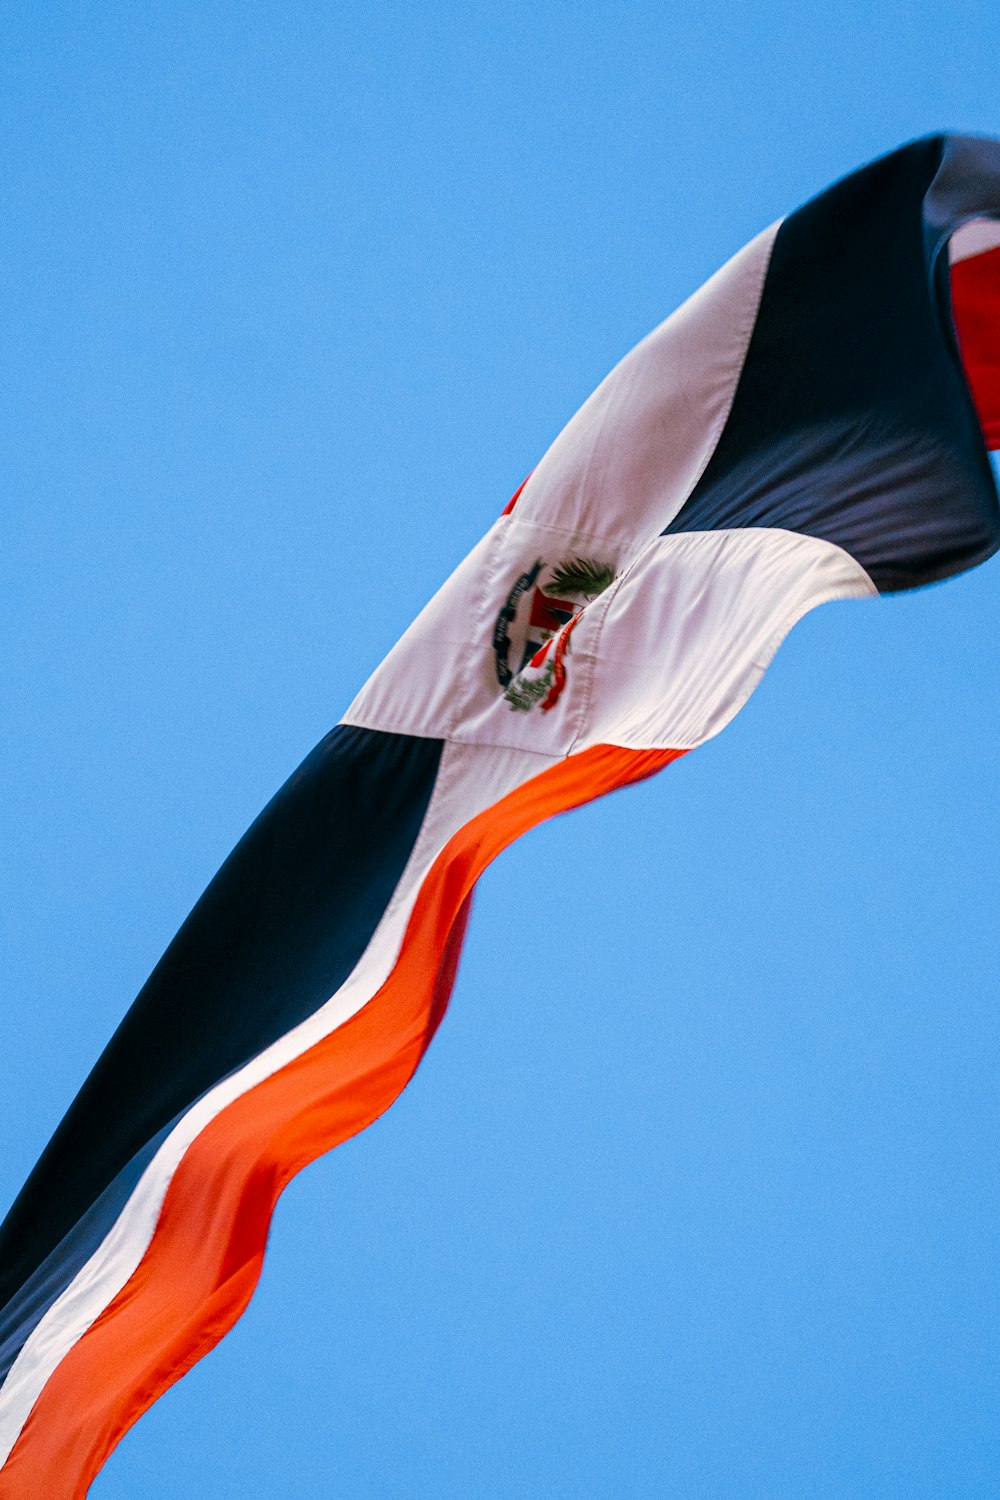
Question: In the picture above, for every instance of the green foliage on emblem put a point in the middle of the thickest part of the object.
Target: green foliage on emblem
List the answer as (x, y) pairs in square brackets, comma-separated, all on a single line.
[(581, 575), (524, 692)]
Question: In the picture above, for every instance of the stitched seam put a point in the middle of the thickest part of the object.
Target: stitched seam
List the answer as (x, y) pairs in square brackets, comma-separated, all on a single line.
[(743, 348)]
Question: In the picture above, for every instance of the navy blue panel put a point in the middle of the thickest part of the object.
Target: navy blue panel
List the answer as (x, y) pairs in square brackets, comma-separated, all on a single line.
[(852, 419), (33, 1298), (276, 933)]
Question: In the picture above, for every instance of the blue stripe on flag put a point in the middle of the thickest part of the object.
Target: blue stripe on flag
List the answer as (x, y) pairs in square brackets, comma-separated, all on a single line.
[(276, 933), (852, 419)]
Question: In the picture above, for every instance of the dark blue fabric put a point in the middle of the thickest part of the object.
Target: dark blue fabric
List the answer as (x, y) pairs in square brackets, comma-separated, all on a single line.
[(275, 934), (852, 419), (33, 1298)]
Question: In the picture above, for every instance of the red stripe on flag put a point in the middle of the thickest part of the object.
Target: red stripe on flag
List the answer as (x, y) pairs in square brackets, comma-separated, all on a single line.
[(202, 1265), (515, 497), (975, 297)]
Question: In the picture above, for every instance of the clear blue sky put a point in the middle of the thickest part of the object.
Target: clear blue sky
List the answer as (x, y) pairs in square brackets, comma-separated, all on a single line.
[(696, 1192)]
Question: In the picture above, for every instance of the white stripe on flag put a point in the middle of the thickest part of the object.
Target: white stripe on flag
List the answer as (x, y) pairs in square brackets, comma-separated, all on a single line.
[(469, 780)]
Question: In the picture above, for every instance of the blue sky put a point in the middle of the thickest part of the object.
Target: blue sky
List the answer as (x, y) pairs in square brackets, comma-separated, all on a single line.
[(696, 1192)]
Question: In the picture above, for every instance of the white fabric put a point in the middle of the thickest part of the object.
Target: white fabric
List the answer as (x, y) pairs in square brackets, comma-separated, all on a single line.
[(663, 659), (440, 679), (688, 634), (974, 238), (623, 466), (616, 475)]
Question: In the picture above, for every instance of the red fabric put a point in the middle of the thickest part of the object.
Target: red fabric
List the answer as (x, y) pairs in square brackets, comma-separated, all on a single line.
[(975, 296), (515, 497), (548, 613), (558, 666), (202, 1265)]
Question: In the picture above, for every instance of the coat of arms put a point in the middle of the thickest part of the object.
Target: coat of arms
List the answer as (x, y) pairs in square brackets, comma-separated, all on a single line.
[(534, 627)]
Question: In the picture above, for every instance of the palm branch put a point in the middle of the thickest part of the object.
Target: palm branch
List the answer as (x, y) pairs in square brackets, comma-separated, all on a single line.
[(581, 575)]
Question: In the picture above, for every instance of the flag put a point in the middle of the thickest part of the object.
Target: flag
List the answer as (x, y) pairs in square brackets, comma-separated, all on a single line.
[(811, 425)]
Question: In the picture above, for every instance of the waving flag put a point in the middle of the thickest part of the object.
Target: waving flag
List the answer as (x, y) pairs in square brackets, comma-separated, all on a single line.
[(809, 426)]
